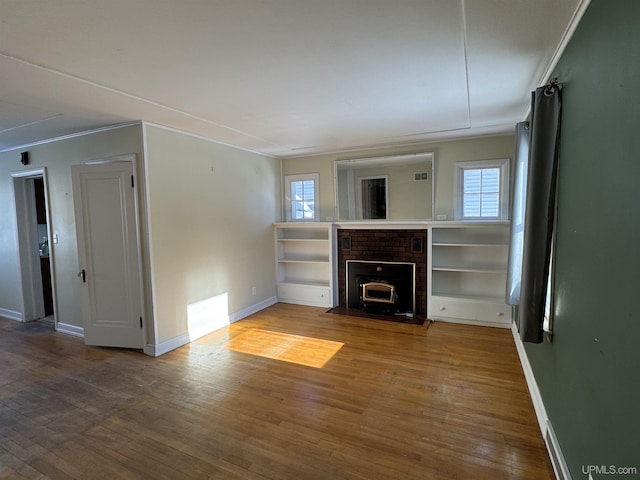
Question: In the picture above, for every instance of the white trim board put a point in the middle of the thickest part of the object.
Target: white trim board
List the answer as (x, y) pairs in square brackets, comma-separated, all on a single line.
[(566, 37), (70, 329), (150, 296), (11, 314), (30, 277), (558, 462), (534, 391)]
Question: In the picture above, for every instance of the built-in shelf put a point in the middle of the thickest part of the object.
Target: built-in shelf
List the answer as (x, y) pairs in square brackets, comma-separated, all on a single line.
[(467, 268), (305, 263)]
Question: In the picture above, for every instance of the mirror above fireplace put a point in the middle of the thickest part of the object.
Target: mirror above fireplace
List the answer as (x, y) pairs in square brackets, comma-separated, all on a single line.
[(396, 187)]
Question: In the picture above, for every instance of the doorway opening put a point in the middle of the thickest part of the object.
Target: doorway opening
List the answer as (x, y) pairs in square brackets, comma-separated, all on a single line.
[(373, 196), (34, 243)]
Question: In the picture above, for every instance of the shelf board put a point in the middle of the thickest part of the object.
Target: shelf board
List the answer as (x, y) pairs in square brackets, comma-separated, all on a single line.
[(468, 298), (303, 283), (305, 240), (487, 269), (467, 244), (321, 260)]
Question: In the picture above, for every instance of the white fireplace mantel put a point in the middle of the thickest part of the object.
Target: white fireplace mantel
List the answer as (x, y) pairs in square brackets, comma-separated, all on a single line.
[(408, 224), (382, 224)]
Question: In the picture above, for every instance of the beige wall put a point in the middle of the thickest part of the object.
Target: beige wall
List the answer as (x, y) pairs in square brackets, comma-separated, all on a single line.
[(57, 157), (211, 210), (407, 199), (211, 215), (446, 155)]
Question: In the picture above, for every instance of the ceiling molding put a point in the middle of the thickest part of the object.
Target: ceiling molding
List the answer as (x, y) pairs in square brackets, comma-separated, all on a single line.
[(70, 136), (566, 37)]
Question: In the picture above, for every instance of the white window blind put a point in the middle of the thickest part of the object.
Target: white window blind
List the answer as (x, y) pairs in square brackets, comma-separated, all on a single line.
[(303, 200), (482, 190), (301, 197)]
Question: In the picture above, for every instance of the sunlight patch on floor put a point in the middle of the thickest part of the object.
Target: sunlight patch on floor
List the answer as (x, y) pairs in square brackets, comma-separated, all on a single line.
[(311, 352)]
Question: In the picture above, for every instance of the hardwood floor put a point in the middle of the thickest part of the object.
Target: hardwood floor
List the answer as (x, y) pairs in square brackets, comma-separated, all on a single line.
[(397, 401)]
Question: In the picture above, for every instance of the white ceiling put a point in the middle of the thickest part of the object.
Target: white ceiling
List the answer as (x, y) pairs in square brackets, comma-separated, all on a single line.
[(280, 77)]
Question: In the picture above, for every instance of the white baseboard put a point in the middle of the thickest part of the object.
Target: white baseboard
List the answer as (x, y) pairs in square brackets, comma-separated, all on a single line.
[(250, 310), (11, 314), (183, 339), (70, 329), (534, 391), (553, 447), (167, 345)]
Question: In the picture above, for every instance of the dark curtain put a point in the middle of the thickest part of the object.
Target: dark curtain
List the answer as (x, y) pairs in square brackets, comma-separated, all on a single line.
[(546, 106)]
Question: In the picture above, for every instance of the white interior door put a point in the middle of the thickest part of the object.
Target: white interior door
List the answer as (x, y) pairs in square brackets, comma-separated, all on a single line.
[(109, 271)]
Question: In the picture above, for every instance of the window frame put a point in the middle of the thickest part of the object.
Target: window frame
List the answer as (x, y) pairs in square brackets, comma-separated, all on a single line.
[(503, 194), (301, 177)]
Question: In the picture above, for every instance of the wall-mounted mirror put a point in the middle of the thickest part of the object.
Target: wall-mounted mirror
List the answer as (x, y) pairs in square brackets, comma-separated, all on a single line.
[(398, 187)]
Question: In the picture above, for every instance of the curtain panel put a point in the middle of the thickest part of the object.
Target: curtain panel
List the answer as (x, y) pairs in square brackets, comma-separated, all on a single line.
[(518, 205), (546, 109)]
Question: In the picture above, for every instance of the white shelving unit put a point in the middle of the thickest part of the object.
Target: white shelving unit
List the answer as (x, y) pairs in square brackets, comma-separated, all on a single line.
[(467, 271), (305, 263)]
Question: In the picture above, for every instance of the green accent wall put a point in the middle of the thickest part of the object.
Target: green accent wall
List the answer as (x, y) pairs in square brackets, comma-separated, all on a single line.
[(589, 376)]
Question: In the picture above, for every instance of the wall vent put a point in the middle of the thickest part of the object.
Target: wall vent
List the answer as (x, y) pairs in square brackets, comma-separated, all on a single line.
[(557, 459), (419, 176)]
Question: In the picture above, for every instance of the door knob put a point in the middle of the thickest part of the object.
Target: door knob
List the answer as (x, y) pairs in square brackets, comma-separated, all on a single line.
[(83, 274)]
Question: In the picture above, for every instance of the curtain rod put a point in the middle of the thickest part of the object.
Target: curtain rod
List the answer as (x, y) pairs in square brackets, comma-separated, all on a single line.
[(551, 87)]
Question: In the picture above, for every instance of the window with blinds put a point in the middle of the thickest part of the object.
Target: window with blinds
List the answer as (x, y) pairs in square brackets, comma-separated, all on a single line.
[(482, 190), (301, 197)]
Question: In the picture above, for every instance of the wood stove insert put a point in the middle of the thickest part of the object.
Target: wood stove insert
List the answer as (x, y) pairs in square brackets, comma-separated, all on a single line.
[(381, 287)]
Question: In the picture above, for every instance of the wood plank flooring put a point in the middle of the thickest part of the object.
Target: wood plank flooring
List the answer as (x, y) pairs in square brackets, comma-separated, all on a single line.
[(397, 401)]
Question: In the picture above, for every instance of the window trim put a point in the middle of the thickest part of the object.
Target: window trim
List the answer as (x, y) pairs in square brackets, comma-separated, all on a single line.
[(288, 179), (503, 205)]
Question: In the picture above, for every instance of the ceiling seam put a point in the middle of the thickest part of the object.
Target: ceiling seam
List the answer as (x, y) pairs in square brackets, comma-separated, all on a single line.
[(466, 60), (28, 124), (126, 94), (68, 136)]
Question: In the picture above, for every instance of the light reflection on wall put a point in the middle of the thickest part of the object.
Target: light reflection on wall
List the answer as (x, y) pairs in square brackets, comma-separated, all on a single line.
[(207, 315)]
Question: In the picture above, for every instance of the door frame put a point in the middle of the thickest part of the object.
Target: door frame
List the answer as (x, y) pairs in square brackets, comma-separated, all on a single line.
[(360, 194), (132, 158), (30, 270)]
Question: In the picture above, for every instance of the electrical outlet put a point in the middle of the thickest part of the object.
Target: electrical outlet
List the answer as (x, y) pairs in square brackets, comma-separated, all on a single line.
[(254, 291), (441, 216)]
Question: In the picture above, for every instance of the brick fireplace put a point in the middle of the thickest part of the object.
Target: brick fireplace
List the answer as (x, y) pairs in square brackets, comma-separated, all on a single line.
[(384, 246)]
